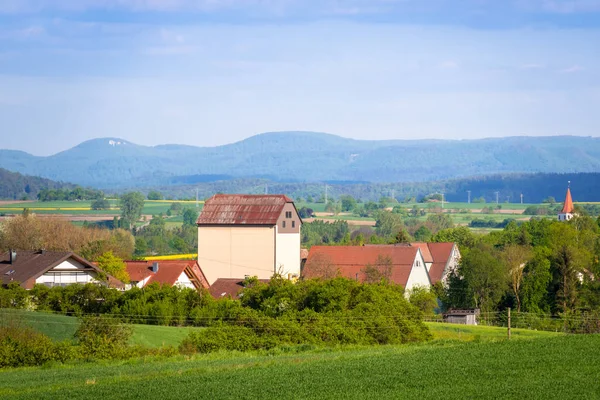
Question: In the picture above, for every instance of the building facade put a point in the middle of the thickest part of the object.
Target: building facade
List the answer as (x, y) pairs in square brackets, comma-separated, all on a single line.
[(249, 235)]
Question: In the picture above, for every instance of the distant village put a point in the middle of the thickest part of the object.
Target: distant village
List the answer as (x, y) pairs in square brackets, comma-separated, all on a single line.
[(243, 236)]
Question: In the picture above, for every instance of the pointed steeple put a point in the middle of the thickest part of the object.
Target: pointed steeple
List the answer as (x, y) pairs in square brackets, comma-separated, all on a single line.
[(568, 205)]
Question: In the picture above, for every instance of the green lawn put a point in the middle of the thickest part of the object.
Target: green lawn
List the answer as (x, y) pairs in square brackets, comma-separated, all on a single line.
[(564, 367)]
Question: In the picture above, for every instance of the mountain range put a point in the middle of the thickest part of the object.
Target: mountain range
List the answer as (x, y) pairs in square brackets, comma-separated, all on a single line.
[(306, 157)]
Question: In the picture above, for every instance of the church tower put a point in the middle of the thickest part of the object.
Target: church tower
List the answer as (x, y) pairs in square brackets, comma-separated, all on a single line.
[(567, 211)]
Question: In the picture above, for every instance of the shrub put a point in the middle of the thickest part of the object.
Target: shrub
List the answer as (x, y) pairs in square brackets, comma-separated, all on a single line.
[(22, 346), (103, 337)]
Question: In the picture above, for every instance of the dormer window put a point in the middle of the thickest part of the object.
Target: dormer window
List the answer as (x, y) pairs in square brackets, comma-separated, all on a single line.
[(288, 214)]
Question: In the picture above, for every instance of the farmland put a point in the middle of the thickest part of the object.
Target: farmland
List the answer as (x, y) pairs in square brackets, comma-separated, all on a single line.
[(550, 368)]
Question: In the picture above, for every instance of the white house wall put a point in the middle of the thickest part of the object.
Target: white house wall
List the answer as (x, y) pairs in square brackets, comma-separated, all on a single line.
[(67, 272), (184, 281), (418, 274), (287, 253)]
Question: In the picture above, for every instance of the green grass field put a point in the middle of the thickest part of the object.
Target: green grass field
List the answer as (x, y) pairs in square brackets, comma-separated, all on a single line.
[(83, 207), (564, 367), (61, 327)]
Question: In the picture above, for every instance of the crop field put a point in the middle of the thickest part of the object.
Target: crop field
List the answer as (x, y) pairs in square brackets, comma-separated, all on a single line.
[(564, 367)]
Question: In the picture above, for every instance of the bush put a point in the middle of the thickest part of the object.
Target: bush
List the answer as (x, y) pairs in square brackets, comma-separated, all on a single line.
[(22, 346), (103, 337)]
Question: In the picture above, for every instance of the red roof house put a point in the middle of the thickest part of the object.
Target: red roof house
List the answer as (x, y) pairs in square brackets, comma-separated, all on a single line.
[(400, 264), (444, 258), (183, 273)]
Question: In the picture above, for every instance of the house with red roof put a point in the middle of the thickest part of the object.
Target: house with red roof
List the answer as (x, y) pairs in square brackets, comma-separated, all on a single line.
[(182, 273), (441, 259), (229, 287), (568, 209), (401, 264), (249, 235)]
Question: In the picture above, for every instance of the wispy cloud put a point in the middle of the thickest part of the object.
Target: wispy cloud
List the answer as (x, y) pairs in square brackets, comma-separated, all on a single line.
[(572, 69)]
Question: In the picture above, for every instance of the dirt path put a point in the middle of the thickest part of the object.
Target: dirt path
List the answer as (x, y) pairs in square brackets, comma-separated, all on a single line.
[(6, 202)]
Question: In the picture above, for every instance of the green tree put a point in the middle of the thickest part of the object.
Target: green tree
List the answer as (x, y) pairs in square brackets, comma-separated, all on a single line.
[(348, 203), (114, 266), (424, 299), (536, 278), (388, 224), (155, 195), (440, 221), (132, 204), (100, 204), (190, 216), (423, 234)]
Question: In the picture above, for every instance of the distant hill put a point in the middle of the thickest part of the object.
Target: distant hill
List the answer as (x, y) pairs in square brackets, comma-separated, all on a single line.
[(306, 156), (15, 186)]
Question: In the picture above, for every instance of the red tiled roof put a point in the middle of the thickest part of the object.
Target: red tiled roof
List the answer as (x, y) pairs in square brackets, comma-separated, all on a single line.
[(224, 287), (168, 271), (441, 253), (29, 265), (568, 207), (230, 209), (424, 246), (349, 261)]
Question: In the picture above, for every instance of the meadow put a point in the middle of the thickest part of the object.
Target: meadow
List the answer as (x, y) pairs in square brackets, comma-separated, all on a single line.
[(561, 367)]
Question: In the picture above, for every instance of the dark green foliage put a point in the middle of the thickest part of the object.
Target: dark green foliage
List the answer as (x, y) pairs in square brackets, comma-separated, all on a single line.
[(319, 232), (332, 312), (13, 186), (100, 204), (70, 194), (131, 205), (155, 195), (190, 216)]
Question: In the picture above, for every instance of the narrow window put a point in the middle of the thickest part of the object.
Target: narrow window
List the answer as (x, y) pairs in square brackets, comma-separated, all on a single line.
[(283, 224), (293, 224)]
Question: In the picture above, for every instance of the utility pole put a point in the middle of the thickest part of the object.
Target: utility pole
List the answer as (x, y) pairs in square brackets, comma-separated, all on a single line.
[(325, 194), (497, 197), (508, 199), (521, 198), (442, 201), (469, 196)]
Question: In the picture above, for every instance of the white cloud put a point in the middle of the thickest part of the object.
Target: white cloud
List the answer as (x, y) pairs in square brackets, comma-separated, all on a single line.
[(572, 69)]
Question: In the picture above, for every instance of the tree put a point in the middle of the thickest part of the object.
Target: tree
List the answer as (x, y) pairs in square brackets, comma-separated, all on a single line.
[(483, 276), (132, 204), (114, 266), (175, 208), (534, 286), (388, 224), (550, 200), (381, 271), (155, 195), (424, 299), (100, 204), (190, 216), (440, 221), (348, 203), (423, 234), (515, 258)]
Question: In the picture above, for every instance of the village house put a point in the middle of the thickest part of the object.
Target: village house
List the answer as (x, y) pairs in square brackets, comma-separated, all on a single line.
[(400, 264), (441, 260), (51, 268), (181, 273), (249, 235)]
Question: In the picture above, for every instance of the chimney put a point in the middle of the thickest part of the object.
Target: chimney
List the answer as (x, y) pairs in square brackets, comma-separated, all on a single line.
[(13, 256), (155, 267)]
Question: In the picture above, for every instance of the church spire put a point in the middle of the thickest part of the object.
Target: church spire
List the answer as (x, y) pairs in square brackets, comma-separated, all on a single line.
[(568, 204)]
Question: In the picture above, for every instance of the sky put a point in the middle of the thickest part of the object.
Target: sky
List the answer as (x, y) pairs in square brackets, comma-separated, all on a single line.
[(211, 72)]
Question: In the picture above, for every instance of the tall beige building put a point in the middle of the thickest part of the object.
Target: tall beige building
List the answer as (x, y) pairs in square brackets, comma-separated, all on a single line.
[(249, 235)]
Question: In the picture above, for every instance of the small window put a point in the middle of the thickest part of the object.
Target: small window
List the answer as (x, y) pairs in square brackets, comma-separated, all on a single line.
[(288, 214), (283, 224), (293, 224)]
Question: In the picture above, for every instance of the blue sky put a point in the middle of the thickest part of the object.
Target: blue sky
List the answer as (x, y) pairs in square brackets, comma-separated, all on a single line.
[(210, 72)]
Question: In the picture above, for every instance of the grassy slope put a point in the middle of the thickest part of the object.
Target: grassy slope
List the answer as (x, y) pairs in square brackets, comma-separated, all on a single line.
[(61, 327), (550, 368)]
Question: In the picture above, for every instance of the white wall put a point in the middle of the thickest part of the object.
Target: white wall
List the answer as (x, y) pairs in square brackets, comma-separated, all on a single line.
[(418, 275), (184, 281), (287, 253), (68, 272)]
